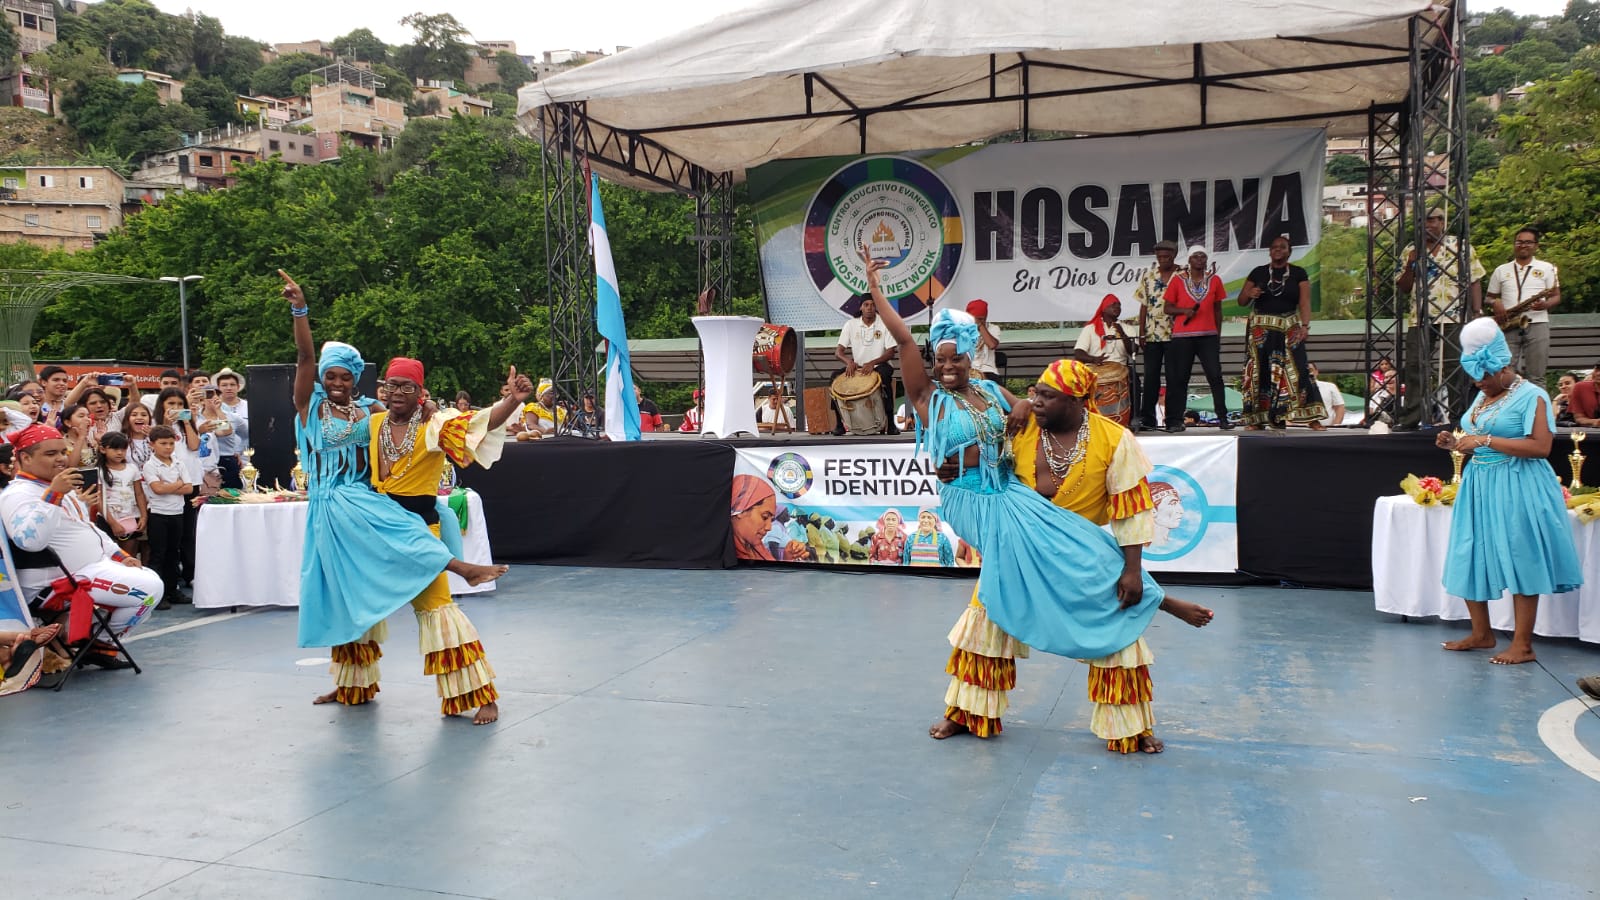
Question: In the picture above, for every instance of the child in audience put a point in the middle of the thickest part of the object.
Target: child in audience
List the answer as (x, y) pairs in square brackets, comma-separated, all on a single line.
[(124, 510), (136, 425), (169, 487)]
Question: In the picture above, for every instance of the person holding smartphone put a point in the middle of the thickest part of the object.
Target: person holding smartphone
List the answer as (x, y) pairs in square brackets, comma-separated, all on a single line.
[(173, 411)]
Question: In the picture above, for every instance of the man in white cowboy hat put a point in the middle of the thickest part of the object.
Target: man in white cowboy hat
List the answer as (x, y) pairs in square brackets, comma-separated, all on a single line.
[(232, 446)]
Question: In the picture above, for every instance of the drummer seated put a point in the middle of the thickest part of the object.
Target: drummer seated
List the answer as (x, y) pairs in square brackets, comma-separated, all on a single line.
[(864, 343), (775, 414)]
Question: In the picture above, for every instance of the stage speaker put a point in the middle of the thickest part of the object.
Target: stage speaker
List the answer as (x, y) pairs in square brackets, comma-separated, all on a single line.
[(271, 396)]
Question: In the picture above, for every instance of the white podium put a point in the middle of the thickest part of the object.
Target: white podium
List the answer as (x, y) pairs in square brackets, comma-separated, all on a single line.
[(727, 343)]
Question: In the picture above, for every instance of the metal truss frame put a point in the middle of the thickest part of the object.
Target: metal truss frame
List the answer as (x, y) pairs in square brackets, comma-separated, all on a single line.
[(1418, 159)]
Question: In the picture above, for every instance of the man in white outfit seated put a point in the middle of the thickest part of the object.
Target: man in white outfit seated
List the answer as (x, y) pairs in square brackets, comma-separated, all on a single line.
[(41, 517)]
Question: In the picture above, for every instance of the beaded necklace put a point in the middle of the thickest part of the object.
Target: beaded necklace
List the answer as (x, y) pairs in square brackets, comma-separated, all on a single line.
[(332, 434), (1061, 463), (1275, 285), (1492, 407), (386, 440), (989, 432)]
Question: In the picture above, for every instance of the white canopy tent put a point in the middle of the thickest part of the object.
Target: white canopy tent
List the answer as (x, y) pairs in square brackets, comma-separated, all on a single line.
[(804, 78)]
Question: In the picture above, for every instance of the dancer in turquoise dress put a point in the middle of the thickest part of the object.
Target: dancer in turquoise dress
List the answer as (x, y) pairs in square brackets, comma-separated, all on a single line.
[(1510, 530), (1049, 576), (365, 556)]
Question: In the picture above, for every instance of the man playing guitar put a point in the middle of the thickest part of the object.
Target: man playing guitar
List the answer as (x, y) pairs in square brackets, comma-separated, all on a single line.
[(1523, 291)]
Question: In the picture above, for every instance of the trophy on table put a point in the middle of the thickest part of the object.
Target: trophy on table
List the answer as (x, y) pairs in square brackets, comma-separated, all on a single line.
[(1457, 457), (248, 473), (298, 474), (1576, 459)]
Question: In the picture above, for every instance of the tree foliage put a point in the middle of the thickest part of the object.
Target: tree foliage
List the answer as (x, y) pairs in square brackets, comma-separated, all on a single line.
[(127, 119), (276, 78), (513, 72), (10, 43), (437, 51), (361, 45)]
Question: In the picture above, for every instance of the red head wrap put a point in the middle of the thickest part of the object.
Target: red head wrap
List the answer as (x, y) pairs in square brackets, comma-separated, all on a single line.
[(749, 492), (978, 309), (405, 367), (34, 434), (1100, 314)]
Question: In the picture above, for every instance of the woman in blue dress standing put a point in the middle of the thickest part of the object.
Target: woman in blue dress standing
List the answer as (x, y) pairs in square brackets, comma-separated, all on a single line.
[(1510, 530), (365, 555)]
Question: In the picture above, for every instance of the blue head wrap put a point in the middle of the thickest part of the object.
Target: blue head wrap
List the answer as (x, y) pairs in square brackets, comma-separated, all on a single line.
[(336, 355), (955, 327), (1483, 348)]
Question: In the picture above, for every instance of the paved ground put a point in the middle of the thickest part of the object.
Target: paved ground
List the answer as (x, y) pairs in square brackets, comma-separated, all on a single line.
[(762, 734)]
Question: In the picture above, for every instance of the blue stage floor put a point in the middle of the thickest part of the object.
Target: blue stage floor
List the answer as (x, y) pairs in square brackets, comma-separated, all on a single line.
[(763, 734)]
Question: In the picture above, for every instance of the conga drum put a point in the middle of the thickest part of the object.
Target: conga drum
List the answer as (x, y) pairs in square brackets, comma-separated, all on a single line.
[(1112, 394), (860, 402), (775, 350)]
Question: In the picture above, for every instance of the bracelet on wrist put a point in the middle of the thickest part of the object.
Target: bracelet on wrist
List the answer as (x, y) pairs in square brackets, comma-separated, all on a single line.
[(299, 312)]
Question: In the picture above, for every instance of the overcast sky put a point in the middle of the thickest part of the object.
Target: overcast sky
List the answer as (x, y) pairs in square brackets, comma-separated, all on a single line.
[(536, 26)]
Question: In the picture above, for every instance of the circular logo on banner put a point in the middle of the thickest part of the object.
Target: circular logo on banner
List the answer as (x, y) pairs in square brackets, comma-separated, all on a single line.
[(903, 213), (1182, 513), (790, 474)]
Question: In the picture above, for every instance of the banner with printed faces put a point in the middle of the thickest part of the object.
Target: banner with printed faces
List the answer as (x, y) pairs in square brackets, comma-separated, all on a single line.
[(878, 504), (1042, 231)]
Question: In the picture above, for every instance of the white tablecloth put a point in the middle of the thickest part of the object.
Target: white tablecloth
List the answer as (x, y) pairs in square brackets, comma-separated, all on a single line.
[(1408, 550), (248, 554)]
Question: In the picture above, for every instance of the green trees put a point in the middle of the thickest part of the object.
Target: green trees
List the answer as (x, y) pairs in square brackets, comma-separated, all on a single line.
[(127, 119), (438, 51), (513, 72), (276, 78)]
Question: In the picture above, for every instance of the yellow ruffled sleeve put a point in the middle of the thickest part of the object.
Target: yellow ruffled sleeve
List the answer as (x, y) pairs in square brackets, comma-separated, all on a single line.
[(465, 437), (1128, 492)]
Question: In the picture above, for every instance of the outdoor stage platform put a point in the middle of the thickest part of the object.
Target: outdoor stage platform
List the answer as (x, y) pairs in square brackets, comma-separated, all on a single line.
[(1303, 501)]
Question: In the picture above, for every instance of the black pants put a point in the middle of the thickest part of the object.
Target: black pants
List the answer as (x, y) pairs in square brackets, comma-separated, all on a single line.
[(1181, 354), (1414, 411), (886, 375), (191, 517), (228, 467), (166, 550), (1155, 353)]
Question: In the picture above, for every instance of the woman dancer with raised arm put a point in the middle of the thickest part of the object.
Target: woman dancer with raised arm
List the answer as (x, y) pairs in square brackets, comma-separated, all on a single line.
[(365, 555), (1050, 578)]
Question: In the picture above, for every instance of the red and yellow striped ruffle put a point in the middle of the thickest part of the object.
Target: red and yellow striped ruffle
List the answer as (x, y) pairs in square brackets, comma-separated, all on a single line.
[(364, 653), (1120, 687), (1131, 502), (987, 672), (452, 659), (1128, 744), (981, 726), (455, 706), (453, 440)]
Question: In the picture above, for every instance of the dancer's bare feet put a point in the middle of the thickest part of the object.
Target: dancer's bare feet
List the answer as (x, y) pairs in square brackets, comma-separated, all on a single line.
[(1149, 743), (945, 728), (1471, 642), (474, 573), (1513, 656), (1192, 613), (487, 713), (329, 697)]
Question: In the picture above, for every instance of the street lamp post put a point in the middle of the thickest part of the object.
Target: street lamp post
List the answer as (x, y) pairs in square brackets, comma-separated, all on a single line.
[(183, 310)]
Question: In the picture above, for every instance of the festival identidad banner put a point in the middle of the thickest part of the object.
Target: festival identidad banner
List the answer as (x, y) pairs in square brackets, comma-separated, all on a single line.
[(878, 504), (1042, 231)]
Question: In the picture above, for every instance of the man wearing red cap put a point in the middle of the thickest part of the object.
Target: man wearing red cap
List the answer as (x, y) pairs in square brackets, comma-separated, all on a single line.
[(51, 532), (409, 451), (983, 359)]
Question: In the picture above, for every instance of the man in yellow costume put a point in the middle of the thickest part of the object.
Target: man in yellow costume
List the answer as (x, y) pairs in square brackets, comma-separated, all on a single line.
[(1088, 464), (408, 454)]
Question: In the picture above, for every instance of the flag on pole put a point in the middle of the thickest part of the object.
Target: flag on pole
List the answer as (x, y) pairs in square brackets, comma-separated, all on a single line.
[(622, 408)]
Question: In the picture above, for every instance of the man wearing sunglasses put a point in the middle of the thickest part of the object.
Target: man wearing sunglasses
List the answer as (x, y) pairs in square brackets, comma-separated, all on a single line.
[(411, 446)]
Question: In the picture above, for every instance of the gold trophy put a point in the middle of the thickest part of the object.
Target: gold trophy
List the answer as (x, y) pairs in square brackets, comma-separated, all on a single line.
[(297, 473), (1458, 458), (1576, 459), (248, 473)]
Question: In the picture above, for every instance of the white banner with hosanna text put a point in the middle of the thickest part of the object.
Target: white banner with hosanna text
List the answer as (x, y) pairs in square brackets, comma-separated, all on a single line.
[(1041, 231), (878, 504)]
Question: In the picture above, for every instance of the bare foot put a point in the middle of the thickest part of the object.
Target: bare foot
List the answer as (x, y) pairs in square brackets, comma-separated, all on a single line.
[(329, 697), (945, 728), (44, 635), (487, 713), (1514, 655), (1149, 743), (1318, 426), (1192, 613), (1470, 642), (476, 574)]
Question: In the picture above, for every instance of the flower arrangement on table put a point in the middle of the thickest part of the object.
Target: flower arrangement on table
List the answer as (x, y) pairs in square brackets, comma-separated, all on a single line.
[(1429, 491), (230, 496), (1585, 501)]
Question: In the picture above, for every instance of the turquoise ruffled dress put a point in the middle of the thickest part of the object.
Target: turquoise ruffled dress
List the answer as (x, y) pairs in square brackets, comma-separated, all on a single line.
[(1509, 530), (365, 555), (1049, 576)]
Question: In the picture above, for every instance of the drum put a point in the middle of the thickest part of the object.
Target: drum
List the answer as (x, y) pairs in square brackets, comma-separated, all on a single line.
[(861, 403), (775, 350)]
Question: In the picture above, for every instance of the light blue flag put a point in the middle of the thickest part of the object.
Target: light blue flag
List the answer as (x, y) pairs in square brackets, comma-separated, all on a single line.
[(622, 408)]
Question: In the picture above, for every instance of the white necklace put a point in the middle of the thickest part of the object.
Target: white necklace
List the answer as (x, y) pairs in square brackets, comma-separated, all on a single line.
[(386, 440), (1061, 464)]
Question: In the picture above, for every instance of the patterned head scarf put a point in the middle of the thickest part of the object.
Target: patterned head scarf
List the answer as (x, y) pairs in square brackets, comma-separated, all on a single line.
[(336, 355), (34, 434), (955, 327), (1072, 378), (1099, 321), (1483, 348), (545, 386)]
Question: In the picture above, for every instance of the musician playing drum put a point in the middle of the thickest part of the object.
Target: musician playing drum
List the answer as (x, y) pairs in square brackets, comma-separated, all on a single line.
[(865, 344), (1105, 346), (1523, 291)]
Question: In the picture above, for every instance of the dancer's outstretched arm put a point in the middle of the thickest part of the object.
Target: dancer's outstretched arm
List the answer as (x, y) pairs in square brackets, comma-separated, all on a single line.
[(305, 353), (919, 387)]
